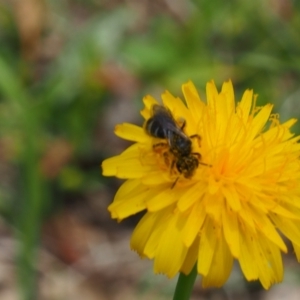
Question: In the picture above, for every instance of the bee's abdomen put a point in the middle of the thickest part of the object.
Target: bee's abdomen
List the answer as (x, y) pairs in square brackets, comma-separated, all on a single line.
[(154, 128)]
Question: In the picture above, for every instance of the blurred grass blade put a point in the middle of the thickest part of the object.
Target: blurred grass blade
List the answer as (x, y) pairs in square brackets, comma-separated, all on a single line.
[(28, 216)]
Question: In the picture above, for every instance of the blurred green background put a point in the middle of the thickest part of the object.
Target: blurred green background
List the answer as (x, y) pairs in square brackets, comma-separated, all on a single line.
[(71, 70)]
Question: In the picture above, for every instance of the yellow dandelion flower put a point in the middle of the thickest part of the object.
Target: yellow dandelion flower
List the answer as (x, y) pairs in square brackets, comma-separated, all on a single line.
[(236, 204)]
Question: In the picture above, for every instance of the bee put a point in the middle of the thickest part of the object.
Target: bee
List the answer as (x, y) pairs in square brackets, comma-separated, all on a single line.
[(162, 125)]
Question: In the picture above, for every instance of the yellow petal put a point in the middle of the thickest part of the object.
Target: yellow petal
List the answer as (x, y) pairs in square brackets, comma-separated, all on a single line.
[(211, 93), (268, 271), (190, 258), (129, 188), (162, 219), (244, 106), (110, 165), (289, 123), (227, 89), (175, 104), (165, 198), (274, 260), (231, 232), (265, 226), (131, 132), (214, 205), (157, 177), (246, 259), (129, 206), (297, 251), (128, 168), (171, 252), (227, 103), (222, 117), (149, 101), (207, 246), (220, 267), (191, 195), (288, 227), (193, 224), (143, 231), (180, 112), (232, 197), (286, 213), (193, 100), (246, 218), (260, 120)]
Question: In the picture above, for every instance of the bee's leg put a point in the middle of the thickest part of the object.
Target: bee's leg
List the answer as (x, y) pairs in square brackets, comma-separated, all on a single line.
[(173, 165), (198, 137), (198, 155), (159, 147), (167, 160), (174, 183), (182, 122)]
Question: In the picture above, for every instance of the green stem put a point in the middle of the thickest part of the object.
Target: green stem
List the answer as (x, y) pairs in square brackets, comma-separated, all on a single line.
[(185, 285)]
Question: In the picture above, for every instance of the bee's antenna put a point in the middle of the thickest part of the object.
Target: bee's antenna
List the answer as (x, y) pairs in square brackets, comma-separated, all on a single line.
[(204, 164)]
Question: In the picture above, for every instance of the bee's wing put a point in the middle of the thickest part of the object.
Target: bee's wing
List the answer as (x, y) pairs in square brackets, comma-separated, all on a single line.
[(166, 119), (162, 123)]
